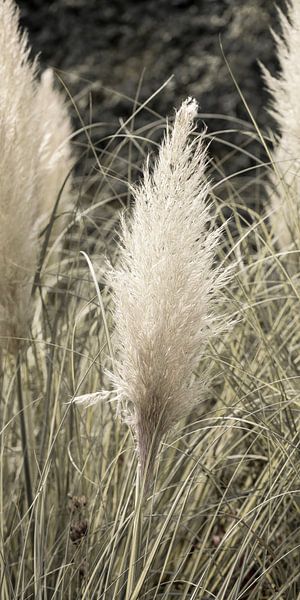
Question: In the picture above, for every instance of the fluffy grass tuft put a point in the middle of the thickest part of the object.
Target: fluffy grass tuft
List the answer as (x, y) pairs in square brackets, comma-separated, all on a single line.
[(285, 108), (165, 289), (35, 161)]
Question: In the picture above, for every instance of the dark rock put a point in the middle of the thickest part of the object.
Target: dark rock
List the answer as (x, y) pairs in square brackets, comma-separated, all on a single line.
[(114, 43)]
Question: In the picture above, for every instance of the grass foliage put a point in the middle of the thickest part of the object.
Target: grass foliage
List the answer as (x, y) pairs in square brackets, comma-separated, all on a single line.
[(222, 519)]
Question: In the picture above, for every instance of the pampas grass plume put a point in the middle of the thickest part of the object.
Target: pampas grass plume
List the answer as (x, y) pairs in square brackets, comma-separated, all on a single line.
[(285, 109), (165, 289), (35, 160)]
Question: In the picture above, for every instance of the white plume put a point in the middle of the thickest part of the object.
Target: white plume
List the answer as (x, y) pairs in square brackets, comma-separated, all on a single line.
[(286, 111), (165, 288), (34, 125)]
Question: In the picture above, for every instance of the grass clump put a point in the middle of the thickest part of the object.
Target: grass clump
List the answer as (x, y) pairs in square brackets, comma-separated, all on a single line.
[(220, 518)]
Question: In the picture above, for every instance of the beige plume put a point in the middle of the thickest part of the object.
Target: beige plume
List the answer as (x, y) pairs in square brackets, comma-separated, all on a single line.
[(165, 289), (34, 162), (284, 89)]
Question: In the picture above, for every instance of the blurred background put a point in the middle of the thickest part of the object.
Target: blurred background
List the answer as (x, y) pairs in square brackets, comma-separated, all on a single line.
[(108, 52)]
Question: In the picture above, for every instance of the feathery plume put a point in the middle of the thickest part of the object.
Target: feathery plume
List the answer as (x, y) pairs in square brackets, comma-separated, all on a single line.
[(285, 184), (32, 169), (165, 288)]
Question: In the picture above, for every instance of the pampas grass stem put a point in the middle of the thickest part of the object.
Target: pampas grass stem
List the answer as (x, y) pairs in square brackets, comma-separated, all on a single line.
[(24, 437)]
